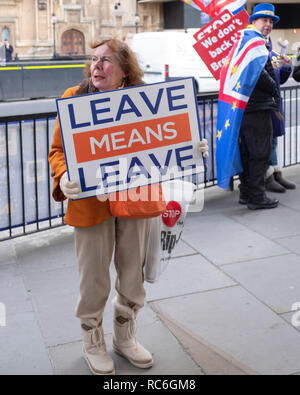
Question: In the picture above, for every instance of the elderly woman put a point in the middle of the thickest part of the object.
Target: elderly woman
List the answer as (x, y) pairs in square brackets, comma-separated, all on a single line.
[(98, 233), (113, 66)]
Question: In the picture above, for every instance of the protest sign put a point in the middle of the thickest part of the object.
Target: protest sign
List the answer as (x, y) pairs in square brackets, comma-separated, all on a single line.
[(131, 137), (215, 40)]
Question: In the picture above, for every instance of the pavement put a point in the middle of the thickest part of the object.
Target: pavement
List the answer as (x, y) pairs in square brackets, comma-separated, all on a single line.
[(226, 304)]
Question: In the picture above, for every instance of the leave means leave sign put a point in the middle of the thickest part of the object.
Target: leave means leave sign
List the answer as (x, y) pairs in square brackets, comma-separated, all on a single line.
[(131, 137)]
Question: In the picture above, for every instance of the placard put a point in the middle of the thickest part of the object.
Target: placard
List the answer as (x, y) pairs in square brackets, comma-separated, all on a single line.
[(131, 137), (215, 40)]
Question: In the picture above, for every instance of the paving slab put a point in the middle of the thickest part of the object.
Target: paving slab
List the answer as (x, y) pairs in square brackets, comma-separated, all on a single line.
[(37, 241), (292, 243), (54, 296), (223, 240), (22, 349), (13, 292), (290, 199), (293, 318), (275, 281), (183, 249), (273, 224), (218, 200), (169, 357), (238, 324), (67, 359), (48, 257), (187, 275), (7, 252), (212, 360)]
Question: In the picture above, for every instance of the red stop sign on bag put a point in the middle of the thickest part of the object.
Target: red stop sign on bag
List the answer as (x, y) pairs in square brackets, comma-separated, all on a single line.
[(172, 213)]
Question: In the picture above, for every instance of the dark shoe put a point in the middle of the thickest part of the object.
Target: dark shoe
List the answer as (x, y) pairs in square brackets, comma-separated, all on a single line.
[(243, 199), (273, 186), (282, 181), (265, 203)]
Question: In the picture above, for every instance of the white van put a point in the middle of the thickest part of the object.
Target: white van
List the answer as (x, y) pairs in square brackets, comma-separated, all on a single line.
[(171, 52)]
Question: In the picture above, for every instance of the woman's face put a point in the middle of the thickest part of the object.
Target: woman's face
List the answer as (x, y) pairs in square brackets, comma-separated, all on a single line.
[(106, 71)]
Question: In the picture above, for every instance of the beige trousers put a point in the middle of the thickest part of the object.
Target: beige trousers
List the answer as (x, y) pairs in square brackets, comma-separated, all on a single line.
[(128, 238)]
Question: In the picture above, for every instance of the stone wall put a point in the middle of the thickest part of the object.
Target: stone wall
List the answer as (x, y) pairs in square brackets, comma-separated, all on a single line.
[(31, 28)]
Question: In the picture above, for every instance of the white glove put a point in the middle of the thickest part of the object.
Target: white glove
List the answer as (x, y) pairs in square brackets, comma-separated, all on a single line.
[(203, 147), (69, 188)]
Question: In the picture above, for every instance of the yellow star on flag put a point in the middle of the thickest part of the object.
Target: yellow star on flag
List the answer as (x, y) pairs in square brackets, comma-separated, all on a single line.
[(219, 134), (238, 86), (226, 62), (234, 105), (234, 69), (227, 124)]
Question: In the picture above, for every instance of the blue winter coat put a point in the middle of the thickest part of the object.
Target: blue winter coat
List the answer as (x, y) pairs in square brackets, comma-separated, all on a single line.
[(282, 75)]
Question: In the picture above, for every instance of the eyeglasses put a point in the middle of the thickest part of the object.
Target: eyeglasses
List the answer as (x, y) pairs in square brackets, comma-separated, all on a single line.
[(95, 59)]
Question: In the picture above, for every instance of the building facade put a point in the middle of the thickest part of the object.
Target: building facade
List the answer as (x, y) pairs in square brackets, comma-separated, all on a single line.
[(40, 29), (43, 28)]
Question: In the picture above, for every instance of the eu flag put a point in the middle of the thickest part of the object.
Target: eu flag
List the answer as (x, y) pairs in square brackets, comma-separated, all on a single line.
[(238, 78)]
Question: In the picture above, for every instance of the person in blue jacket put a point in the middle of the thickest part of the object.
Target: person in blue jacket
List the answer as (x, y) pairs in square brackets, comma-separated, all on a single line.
[(274, 179)]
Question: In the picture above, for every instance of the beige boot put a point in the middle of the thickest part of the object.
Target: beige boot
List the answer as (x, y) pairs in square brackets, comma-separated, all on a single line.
[(124, 341), (94, 351)]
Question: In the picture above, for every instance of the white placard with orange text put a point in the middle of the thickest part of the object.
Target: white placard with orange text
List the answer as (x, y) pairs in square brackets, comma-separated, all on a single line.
[(131, 137)]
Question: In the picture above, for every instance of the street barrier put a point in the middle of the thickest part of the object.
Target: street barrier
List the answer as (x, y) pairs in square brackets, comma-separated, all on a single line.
[(33, 80), (26, 204)]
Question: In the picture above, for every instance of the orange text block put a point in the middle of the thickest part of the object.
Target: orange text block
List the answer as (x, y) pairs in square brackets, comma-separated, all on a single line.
[(134, 137)]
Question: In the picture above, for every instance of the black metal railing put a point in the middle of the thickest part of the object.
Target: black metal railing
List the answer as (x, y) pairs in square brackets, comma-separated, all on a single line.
[(26, 205), (208, 105), (290, 144)]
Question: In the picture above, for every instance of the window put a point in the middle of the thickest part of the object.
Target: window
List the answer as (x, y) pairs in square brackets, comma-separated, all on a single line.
[(5, 34)]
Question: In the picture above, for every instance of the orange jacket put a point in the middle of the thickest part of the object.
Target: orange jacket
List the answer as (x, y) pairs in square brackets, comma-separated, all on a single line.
[(84, 212)]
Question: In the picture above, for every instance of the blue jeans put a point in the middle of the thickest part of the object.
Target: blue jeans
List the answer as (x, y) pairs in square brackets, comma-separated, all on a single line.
[(273, 158)]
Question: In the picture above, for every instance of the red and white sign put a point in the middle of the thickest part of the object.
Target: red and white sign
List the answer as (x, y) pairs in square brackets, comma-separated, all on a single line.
[(172, 214), (215, 40), (131, 137)]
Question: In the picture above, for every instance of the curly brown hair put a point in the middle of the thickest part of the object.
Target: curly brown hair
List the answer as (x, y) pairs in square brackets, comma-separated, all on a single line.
[(126, 58)]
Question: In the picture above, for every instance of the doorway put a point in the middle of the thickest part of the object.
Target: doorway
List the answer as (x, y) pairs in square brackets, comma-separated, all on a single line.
[(72, 43)]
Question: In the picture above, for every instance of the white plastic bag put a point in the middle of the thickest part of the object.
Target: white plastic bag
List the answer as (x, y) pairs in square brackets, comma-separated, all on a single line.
[(166, 230)]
